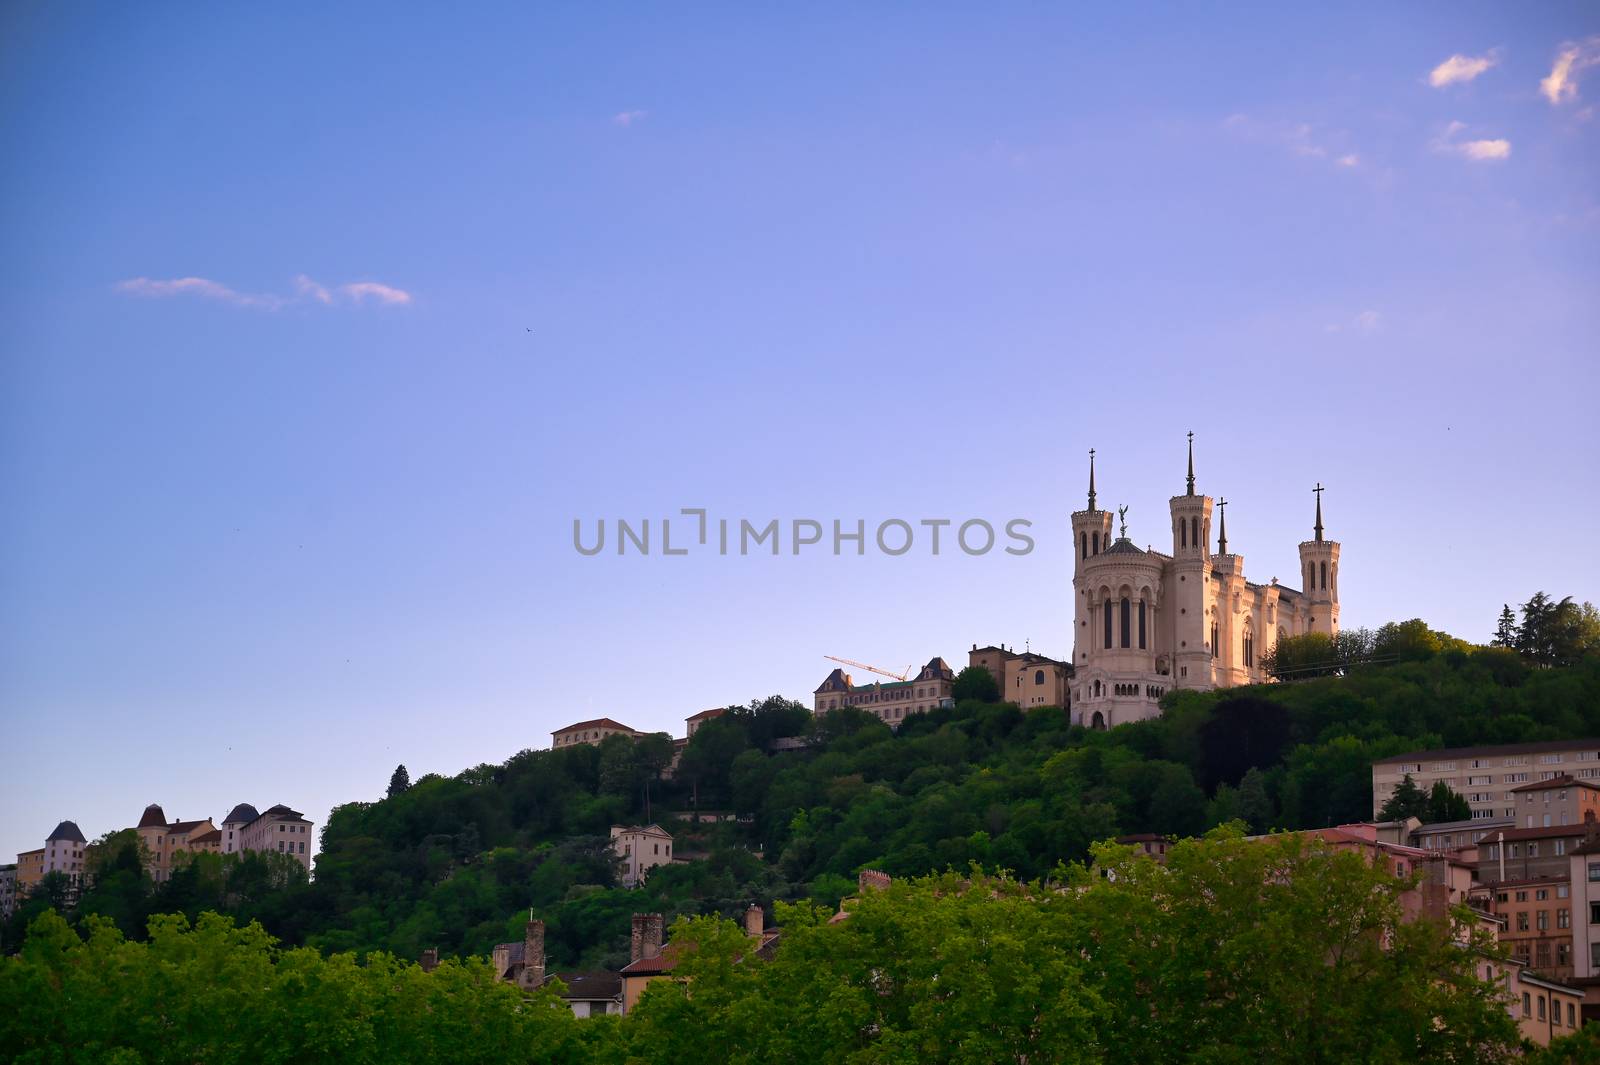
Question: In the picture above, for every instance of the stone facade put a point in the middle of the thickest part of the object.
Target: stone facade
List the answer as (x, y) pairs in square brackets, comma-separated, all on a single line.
[(891, 702), (1146, 621), (1025, 678), (165, 840), (641, 848), (590, 732)]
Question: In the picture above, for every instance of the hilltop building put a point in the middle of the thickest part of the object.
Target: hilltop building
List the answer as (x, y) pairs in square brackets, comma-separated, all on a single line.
[(891, 702), (590, 732), (8, 890), (165, 841), (62, 853), (1025, 678), (279, 829), (1146, 621)]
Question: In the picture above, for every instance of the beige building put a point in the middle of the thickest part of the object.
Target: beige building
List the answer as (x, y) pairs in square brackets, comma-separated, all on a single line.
[(1583, 871), (590, 732), (1559, 801), (1147, 621), (1528, 853), (166, 840), (1487, 776), (890, 702), (641, 849), (1025, 678), (692, 723), (62, 853), (1538, 923)]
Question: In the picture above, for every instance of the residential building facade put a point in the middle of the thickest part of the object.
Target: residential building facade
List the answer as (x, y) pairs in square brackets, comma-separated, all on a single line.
[(8, 890), (1147, 621), (641, 848), (1538, 923), (164, 841), (1486, 776), (1528, 853), (891, 702), (63, 852)]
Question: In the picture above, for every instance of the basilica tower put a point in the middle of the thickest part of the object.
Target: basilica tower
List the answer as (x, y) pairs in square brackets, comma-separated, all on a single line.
[(1190, 591), (1091, 535), (1319, 565)]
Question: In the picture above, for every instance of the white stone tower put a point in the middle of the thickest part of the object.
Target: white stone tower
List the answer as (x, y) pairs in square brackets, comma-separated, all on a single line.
[(1189, 590), (1091, 535), (1319, 565)]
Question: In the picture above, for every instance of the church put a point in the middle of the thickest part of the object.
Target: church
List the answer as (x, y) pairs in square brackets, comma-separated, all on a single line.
[(1146, 622)]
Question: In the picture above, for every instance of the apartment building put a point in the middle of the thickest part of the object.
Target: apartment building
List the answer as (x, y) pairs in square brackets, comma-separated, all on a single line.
[(1538, 923), (641, 849), (891, 702), (8, 890), (62, 853), (1529, 853), (1486, 776), (590, 732), (1025, 678)]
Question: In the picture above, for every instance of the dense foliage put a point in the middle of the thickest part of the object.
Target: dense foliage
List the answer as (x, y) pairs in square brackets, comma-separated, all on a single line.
[(1234, 950), (457, 862)]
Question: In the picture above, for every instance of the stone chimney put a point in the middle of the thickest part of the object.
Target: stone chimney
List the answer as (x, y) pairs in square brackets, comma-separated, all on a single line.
[(646, 941), (533, 955), (755, 921), (429, 960), (871, 880)]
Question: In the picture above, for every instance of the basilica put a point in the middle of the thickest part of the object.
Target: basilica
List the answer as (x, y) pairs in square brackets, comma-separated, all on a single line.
[(1147, 622)]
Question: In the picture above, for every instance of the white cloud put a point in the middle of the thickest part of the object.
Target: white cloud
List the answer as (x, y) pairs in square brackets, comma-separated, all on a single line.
[(361, 291), (1462, 68), (628, 118), (1367, 321), (1479, 151), (310, 289), (1350, 160), (1574, 57), (305, 289), (198, 286)]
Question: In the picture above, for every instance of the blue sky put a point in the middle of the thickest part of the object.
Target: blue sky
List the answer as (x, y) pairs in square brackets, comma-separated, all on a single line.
[(322, 326)]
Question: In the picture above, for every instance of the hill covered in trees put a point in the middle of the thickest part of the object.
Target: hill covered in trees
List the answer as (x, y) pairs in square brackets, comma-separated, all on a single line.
[(456, 862)]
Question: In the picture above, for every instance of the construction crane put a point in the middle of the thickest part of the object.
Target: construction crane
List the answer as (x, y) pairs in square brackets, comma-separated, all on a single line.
[(872, 669)]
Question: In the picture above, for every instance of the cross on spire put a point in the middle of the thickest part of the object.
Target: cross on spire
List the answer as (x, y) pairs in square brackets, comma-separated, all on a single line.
[(1222, 526), (1091, 479), (1191, 465), (1318, 491)]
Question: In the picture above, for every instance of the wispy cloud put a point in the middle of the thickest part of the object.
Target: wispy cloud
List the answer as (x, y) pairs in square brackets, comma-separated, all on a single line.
[(361, 291), (1572, 58), (1366, 322), (628, 118), (305, 289), (1297, 138), (1479, 151), (1462, 68), (198, 286)]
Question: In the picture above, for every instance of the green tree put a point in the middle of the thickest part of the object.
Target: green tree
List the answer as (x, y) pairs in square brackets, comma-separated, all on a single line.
[(1255, 804), (1408, 800), (399, 781), (1505, 631), (975, 683), (1444, 804)]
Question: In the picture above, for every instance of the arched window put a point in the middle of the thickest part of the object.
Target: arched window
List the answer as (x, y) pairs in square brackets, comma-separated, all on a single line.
[(1324, 575), (1096, 543), (1311, 576), (1183, 532), (1141, 625), (1213, 639), (1194, 531), (1098, 721), (1038, 676), (1127, 621), (1108, 624), (1085, 538)]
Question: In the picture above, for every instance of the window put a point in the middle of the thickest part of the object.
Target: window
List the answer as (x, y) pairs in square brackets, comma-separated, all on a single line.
[(1108, 624), (1541, 1007), (1541, 895), (1561, 848), (1542, 921), (1038, 674), (1141, 627), (1563, 918), (1085, 539), (1324, 574), (1522, 920), (1570, 1014), (1527, 1004), (1594, 918), (1549, 759)]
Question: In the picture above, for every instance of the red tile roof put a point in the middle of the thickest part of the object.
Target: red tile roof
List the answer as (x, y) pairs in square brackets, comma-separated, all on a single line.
[(599, 722)]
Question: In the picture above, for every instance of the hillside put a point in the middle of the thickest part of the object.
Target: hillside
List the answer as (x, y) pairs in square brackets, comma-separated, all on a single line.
[(457, 862)]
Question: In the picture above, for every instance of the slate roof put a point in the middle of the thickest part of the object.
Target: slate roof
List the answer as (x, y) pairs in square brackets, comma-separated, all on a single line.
[(590, 986), (1562, 780), (281, 810), (153, 817), (243, 812), (1492, 751), (68, 831), (1123, 546)]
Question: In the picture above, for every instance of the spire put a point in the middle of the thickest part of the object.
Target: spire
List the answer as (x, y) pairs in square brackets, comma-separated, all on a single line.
[(1190, 492), (1091, 479), (1222, 526), (1318, 490)]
